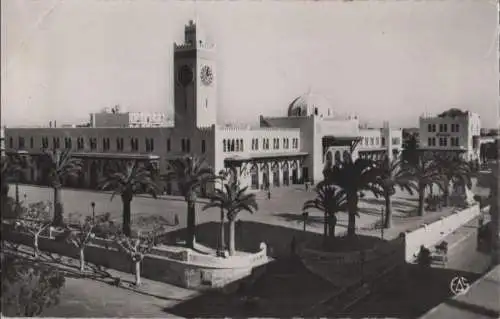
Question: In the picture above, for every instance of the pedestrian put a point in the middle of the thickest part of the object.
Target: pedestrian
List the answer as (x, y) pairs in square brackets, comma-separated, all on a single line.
[(307, 186)]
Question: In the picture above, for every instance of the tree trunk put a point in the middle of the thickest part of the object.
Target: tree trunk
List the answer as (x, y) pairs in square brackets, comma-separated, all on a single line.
[(325, 228), (126, 227), (82, 260), (191, 224), (222, 244), (138, 273), (352, 203), (446, 194), (421, 199), (35, 246), (331, 232), (17, 195), (388, 211), (232, 245), (58, 207)]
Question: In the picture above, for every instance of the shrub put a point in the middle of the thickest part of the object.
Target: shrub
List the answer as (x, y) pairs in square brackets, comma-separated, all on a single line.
[(28, 288)]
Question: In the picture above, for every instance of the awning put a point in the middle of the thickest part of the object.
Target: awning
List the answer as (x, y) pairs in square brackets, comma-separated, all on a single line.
[(99, 155), (265, 156)]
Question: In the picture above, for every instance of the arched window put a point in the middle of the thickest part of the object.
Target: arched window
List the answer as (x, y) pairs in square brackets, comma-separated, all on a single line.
[(241, 145), (338, 158), (346, 156), (225, 145), (232, 145), (329, 159), (237, 145)]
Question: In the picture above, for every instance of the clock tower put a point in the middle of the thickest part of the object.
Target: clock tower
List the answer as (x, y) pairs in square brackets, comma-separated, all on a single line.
[(195, 89)]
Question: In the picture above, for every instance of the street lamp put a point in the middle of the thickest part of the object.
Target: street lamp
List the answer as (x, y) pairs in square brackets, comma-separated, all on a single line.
[(383, 223), (93, 212), (305, 216), (221, 246)]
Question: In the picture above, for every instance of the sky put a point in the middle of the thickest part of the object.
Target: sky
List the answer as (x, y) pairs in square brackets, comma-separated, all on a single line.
[(384, 60)]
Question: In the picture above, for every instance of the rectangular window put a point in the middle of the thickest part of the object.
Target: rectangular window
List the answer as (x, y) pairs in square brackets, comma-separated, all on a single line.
[(241, 145), (383, 141), (168, 145), (188, 145), (105, 144), (45, 142), (366, 140), (21, 142), (32, 142), (56, 142), (443, 141), (67, 142), (149, 144), (93, 143), (119, 143), (11, 142), (371, 140), (429, 127), (224, 144), (183, 145), (377, 141), (203, 146), (79, 143), (134, 144)]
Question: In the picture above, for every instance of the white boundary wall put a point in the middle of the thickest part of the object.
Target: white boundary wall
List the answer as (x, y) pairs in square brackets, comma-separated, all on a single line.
[(431, 234)]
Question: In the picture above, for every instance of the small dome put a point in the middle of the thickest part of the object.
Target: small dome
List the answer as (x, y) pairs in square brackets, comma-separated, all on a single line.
[(310, 104)]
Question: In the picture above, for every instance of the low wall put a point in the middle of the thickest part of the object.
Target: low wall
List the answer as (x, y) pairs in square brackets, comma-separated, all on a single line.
[(430, 235), (170, 267)]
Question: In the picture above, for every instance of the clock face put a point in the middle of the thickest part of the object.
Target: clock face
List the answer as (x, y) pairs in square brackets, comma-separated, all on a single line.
[(206, 75), (185, 75)]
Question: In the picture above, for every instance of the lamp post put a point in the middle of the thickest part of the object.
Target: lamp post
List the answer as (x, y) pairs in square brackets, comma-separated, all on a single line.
[(221, 246), (305, 216), (383, 223), (93, 212)]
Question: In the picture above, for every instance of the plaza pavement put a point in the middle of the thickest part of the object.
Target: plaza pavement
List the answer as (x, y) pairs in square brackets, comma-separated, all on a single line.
[(283, 209)]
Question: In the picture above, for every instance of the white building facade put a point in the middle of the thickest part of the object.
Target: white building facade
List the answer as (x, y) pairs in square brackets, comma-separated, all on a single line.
[(282, 151), (452, 131)]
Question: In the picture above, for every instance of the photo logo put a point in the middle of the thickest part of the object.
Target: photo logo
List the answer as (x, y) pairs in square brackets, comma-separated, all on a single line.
[(459, 286)]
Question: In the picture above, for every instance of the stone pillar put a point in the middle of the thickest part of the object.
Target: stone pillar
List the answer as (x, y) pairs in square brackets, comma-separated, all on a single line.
[(280, 174), (299, 171)]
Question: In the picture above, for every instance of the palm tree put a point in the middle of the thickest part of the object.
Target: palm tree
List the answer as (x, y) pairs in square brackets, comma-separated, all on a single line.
[(453, 169), (233, 199), (59, 164), (423, 173), (330, 200), (353, 177), (391, 176), (191, 174), (128, 179), (12, 170)]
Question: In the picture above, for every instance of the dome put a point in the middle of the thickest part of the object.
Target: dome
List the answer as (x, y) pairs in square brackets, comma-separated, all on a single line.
[(310, 104)]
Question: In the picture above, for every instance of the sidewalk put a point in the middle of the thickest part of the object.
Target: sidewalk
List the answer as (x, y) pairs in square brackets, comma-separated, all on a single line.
[(94, 294)]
